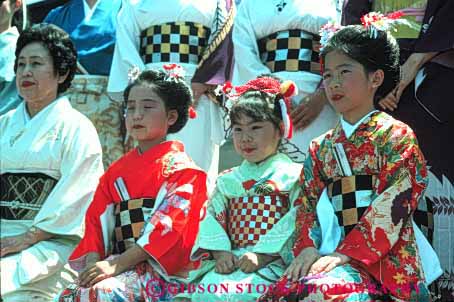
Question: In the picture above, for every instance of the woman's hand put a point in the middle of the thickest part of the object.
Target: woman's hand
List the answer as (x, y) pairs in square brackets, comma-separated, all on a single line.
[(99, 271), (226, 262), (327, 263), (308, 110), (252, 262), (301, 264), (408, 73), (199, 89), (18, 243), (13, 244)]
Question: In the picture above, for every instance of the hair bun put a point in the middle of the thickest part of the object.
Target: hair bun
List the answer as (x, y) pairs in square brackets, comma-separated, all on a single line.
[(288, 89)]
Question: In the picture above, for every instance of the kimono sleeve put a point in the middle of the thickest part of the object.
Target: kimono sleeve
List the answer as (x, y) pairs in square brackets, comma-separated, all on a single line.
[(126, 53), (171, 231), (81, 166), (247, 63), (215, 66), (307, 226), (401, 182), (213, 228), (436, 35), (99, 224)]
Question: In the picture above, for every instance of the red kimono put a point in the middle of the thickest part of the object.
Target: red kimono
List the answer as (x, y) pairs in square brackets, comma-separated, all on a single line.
[(153, 200)]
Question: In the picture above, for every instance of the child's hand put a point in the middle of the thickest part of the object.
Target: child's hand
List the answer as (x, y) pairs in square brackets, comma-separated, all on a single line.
[(226, 262), (252, 262), (301, 264), (327, 263), (97, 272)]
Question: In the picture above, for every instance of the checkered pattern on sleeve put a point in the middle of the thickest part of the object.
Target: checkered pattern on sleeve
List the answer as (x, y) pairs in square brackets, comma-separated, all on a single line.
[(351, 196), (176, 42), (423, 217), (290, 50), (250, 217), (130, 218), (23, 194)]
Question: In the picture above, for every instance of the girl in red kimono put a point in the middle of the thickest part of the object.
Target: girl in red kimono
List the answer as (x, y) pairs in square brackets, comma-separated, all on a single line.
[(372, 173), (143, 220)]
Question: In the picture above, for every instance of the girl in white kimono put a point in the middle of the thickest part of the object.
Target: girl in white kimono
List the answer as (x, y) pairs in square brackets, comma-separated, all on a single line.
[(278, 37), (246, 235), (50, 164), (151, 33)]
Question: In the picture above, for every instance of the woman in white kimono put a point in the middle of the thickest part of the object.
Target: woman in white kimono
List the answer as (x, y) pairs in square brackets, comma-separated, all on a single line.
[(193, 34), (50, 163), (279, 37)]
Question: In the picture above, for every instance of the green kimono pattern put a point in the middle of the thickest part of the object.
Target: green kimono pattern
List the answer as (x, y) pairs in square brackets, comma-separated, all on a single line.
[(252, 210)]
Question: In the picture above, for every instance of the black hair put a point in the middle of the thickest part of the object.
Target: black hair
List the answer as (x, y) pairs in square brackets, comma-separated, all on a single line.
[(175, 93), (379, 51), (60, 46), (259, 106)]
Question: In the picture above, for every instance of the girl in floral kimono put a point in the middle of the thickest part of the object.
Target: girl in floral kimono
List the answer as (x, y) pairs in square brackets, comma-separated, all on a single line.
[(371, 173), (247, 234), (144, 218)]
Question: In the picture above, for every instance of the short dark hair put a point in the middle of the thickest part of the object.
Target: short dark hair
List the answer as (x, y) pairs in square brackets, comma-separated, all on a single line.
[(175, 93), (374, 52), (60, 46), (259, 106)]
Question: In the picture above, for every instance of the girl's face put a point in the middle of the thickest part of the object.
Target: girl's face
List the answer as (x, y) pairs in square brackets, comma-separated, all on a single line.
[(146, 117), (255, 141), (349, 89)]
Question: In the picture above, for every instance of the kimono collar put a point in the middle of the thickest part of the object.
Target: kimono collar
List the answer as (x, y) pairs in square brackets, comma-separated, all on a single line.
[(253, 167), (60, 103), (349, 129), (88, 12), (160, 149)]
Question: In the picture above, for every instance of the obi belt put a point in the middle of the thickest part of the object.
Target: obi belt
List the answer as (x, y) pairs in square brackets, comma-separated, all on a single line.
[(250, 217), (290, 50), (352, 195), (130, 217), (23, 194), (176, 42)]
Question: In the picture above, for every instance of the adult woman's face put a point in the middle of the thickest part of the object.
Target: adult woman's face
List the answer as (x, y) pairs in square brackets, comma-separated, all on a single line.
[(36, 79)]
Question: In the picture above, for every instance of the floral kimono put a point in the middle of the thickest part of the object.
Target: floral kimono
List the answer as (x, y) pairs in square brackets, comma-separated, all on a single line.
[(153, 200), (251, 210), (373, 174)]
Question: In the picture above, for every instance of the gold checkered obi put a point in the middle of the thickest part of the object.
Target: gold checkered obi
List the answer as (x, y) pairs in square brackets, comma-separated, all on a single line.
[(130, 217), (23, 194), (351, 196), (290, 50), (250, 217), (176, 42)]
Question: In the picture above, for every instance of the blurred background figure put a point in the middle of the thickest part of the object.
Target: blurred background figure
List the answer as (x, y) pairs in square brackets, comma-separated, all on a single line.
[(12, 19), (91, 25)]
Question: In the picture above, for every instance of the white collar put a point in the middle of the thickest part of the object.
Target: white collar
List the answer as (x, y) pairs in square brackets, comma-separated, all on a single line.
[(349, 128), (89, 11)]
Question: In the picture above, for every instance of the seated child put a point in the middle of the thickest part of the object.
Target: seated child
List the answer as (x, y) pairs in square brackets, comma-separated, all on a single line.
[(247, 234), (144, 217), (372, 172)]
